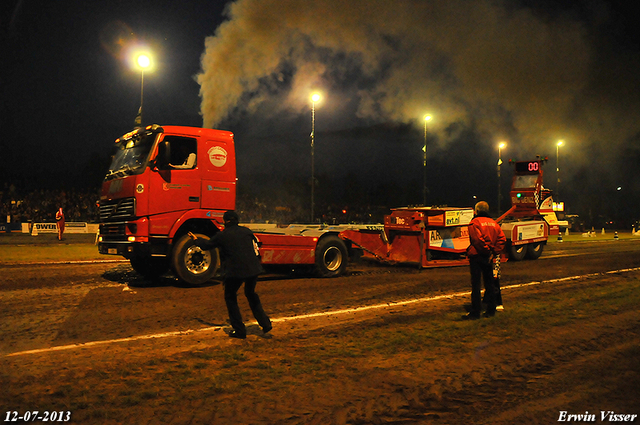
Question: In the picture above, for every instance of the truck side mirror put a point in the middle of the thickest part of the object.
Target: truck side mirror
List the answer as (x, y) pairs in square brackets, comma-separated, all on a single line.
[(164, 155)]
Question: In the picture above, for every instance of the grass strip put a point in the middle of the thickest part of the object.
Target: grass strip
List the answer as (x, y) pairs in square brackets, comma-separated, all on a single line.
[(51, 252)]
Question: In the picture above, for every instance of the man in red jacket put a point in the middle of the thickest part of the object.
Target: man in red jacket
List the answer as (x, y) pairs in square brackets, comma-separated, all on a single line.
[(486, 241), (60, 223)]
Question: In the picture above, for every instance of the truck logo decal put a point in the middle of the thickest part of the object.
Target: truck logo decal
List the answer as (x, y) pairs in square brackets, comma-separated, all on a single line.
[(169, 186), (217, 156), (140, 188)]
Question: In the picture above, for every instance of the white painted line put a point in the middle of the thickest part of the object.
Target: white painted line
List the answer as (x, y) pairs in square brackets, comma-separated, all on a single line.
[(110, 341), (311, 315), (61, 263)]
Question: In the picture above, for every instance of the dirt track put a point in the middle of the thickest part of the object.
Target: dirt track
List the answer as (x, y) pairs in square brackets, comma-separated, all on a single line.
[(524, 366)]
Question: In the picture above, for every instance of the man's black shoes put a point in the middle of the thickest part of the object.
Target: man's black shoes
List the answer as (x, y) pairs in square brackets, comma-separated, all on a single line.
[(238, 335), (470, 316), (267, 329)]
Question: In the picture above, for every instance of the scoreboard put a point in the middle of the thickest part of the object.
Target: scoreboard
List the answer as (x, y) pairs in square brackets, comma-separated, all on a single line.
[(528, 167)]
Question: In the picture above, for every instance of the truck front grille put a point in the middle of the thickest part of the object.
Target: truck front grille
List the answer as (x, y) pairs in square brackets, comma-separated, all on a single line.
[(117, 210), (113, 229)]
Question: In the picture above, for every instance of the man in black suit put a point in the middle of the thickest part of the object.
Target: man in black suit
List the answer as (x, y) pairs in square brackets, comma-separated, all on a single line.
[(241, 261)]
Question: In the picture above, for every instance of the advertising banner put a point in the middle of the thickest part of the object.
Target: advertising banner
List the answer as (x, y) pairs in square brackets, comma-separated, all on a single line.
[(530, 231), (455, 238), (69, 227)]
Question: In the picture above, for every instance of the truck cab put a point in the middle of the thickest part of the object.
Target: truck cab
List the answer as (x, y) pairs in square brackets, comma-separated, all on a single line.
[(162, 183)]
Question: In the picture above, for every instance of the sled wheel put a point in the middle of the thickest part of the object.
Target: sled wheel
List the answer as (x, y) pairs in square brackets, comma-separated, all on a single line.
[(517, 252), (331, 257), (534, 250)]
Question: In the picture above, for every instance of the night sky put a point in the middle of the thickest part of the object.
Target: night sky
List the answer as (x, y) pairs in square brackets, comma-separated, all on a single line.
[(529, 73)]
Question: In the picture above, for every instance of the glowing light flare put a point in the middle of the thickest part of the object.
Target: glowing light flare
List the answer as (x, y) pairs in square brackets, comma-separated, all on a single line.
[(315, 98), (140, 58), (144, 61), (428, 118)]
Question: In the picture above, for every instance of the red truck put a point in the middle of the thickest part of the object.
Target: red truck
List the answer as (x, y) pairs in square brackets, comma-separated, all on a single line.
[(164, 182)]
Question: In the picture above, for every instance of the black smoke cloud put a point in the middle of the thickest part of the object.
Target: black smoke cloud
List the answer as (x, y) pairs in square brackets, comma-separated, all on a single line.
[(510, 72)]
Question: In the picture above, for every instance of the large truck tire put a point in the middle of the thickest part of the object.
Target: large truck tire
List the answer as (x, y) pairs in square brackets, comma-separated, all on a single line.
[(331, 257), (517, 252), (192, 264), (534, 250), (151, 268)]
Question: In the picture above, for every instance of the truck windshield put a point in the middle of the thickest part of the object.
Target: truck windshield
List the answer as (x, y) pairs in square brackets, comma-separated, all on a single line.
[(131, 156)]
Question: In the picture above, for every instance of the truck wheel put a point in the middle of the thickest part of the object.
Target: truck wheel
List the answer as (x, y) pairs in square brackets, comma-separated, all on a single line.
[(193, 265), (331, 257), (534, 250), (517, 252), (150, 268)]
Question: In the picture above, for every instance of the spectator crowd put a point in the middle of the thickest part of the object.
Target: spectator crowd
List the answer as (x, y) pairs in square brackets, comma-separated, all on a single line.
[(80, 205), (40, 206)]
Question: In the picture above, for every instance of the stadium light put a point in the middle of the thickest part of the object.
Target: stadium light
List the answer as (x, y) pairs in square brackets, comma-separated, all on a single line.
[(315, 98), (560, 143), (143, 62), (427, 118), (501, 146)]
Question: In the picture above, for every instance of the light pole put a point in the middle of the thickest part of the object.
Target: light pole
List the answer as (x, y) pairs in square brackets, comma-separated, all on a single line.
[(560, 143), (427, 118), (501, 146), (314, 99), (144, 62)]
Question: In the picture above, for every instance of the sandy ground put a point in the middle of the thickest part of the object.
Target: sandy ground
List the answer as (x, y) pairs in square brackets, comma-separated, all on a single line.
[(159, 353)]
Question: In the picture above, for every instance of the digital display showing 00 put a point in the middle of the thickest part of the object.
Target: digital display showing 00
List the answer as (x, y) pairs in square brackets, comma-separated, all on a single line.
[(528, 167)]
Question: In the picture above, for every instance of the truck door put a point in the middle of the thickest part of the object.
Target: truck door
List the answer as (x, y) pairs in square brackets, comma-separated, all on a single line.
[(218, 173), (174, 186)]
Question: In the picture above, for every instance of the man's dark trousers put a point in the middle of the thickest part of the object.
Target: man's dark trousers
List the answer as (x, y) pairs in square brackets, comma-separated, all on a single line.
[(231, 287), (482, 269)]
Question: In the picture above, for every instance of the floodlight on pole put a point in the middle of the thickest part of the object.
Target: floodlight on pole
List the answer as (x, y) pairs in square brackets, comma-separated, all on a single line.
[(143, 61), (501, 146), (560, 143), (427, 118), (315, 98)]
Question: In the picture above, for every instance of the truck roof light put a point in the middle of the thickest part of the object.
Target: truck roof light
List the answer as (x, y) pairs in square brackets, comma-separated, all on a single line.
[(149, 128)]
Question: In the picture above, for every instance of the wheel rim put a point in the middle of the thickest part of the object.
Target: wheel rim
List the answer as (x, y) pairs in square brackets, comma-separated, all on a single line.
[(332, 258), (197, 261)]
